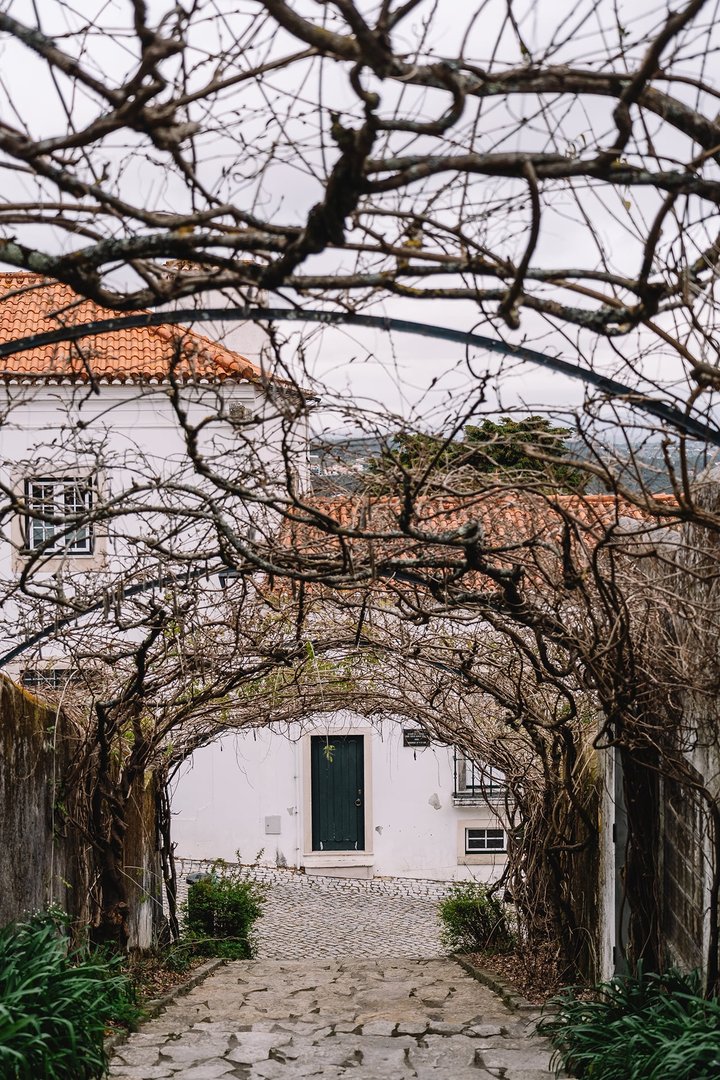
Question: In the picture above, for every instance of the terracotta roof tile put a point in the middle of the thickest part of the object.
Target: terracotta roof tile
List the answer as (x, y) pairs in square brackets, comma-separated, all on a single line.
[(509, 521), (507, 513), (31, 304)]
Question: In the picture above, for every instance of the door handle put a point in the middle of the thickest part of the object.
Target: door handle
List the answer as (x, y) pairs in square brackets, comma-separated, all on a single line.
[(358, 802)]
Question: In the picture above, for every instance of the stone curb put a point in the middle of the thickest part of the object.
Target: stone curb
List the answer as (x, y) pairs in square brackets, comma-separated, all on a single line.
[(155, 1006), (497, 985), (407, 888), (505, 993)]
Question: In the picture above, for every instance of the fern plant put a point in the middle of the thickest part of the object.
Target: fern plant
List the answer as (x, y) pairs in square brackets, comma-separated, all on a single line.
[(55, 1003)]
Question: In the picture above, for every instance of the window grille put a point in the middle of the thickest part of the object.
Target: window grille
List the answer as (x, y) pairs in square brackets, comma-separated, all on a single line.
[(48, 678), (62, 499), (475, 781), (484, 841)]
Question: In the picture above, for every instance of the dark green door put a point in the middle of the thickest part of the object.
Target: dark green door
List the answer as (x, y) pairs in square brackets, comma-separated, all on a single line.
[(338, 793)]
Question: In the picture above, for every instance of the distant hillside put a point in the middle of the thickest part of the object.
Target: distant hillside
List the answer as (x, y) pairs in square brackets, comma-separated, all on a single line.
[(340, 463), (644, 468)]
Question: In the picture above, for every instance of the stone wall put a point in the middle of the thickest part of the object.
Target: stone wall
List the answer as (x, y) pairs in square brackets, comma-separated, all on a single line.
[(44, 857), (41, 860)]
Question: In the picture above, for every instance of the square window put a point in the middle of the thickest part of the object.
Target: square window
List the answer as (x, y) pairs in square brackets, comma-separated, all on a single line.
[(52, 504), (483, 841)]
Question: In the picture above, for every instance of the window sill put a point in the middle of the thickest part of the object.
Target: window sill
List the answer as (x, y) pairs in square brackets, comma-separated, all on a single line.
[(488, 858), (50, 563), (27, 552), (478, 800)]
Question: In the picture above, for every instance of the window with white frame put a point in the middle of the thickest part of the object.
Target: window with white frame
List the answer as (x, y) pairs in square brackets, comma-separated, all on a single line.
[(52, 503), (475, 780), (484, 841)]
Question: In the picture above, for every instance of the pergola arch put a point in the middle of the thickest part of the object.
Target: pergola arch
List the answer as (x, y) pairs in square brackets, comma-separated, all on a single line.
[(465, 717)]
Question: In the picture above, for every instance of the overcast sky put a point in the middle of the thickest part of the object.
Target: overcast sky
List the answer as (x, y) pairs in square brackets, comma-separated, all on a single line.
[(413, 377)]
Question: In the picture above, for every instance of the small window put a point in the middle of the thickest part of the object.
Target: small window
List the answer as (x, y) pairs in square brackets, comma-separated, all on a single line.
[(482, 841), (48, 678), (61, 499), (474, 780)]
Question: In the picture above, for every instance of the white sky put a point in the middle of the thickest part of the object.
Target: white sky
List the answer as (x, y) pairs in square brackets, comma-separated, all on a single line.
[(416, 378)]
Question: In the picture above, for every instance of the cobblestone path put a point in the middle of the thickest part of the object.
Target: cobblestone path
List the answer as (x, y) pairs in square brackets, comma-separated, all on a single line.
[(354, 1018), (318, 917), (319, 922)]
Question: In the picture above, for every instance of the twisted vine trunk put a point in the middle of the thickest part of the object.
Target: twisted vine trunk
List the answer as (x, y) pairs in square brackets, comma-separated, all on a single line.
[(167, 852), (117, 804)]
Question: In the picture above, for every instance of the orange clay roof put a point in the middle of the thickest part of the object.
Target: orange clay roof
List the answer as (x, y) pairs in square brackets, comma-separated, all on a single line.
[(31, 304), (506, 514), (509, 521)]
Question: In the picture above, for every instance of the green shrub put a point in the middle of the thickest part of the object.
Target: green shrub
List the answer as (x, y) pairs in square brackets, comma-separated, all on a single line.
[(644, 1027), (220, 912), (473, 920), (55, 1002)]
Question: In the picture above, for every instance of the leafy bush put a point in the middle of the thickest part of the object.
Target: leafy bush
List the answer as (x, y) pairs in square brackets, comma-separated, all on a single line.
[(220, 912), (474, 920), (55, 1002), (644, 1027)]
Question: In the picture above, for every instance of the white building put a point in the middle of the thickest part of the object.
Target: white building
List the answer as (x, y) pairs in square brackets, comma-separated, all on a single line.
[(342, 796), (91, 424), (83, 424)]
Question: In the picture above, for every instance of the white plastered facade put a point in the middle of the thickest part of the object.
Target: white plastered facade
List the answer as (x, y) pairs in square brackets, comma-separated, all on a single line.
[(251, 793), (414, 826)]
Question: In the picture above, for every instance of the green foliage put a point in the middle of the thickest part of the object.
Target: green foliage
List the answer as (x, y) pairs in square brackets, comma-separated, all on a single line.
[(220, 912), (643, 1027), (329, 752), (55, 1003), (473, 920), (178, 957), (492, 449)]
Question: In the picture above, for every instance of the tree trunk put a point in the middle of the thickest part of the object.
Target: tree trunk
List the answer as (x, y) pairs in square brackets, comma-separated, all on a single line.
[(640, 777)]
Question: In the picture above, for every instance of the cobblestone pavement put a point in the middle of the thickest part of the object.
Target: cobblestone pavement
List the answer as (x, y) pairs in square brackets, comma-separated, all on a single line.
[(318, 917), (360, 1019)]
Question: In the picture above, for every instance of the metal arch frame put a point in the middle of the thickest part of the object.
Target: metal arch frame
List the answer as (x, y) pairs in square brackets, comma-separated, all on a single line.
[(127, 593), (614, 389), (134, 590)]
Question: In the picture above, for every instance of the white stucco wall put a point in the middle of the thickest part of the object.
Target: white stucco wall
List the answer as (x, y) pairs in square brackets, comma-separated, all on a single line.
[(125, 435), (226, 791), (129, 433)]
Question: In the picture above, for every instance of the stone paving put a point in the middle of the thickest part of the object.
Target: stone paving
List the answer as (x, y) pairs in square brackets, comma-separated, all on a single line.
[(318, 917), (350, 981), (360, 1019)]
